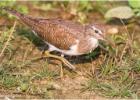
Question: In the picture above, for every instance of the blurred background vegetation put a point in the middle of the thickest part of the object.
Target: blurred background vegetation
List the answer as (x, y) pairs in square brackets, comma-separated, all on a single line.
[(115, 73)]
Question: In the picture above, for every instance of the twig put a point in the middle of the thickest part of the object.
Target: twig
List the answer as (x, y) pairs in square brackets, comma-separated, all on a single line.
[(127, 42), (6, 44), (125, 27)]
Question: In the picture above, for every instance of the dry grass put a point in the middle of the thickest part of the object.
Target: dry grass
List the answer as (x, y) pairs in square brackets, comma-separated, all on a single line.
[(112, 74)]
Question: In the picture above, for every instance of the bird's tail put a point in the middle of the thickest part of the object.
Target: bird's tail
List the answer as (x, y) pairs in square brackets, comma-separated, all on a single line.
[(13, 12)]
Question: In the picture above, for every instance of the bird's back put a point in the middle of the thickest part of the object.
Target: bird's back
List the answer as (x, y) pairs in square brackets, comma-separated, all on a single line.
[(60, 33)]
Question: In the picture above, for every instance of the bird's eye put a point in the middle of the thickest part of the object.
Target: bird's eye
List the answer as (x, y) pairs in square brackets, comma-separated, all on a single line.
[(96, 31)]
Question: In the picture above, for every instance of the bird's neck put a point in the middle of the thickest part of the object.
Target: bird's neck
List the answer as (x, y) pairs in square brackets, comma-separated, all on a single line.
[(88, 44), (93, 42)]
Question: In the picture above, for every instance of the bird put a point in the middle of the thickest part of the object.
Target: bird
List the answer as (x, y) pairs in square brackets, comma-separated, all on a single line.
[(65, 36)]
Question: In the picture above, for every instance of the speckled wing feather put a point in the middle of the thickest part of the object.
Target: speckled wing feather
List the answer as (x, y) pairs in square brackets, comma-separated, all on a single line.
[(60, 33), (73, 28)]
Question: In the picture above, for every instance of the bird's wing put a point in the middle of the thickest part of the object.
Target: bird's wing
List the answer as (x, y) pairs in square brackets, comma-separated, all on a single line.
[(60, 33), (73, 28)]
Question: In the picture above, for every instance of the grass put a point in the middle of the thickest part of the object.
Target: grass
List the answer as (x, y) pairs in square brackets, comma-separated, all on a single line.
[(18, 70), (117, 74), (110, 89), (114, 82)]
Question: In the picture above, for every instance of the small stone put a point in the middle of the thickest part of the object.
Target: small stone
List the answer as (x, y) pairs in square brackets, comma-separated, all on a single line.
[(113, 30)]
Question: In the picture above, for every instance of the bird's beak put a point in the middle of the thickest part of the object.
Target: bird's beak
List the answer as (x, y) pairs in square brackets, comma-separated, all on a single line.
[(102, 37)]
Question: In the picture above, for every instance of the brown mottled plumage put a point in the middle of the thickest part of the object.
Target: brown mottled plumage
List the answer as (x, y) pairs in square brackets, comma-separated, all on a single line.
[(67, 37)]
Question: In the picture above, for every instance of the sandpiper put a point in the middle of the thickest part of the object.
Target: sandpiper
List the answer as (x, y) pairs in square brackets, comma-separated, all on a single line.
[(67, 37)]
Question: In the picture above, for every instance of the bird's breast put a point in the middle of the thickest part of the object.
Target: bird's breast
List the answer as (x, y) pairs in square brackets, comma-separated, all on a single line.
[(88, 44), (94, 43)]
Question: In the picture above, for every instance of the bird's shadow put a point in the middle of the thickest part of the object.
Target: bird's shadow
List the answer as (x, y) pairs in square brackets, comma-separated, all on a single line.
[(31, 37), (42, 46), (117, 21)]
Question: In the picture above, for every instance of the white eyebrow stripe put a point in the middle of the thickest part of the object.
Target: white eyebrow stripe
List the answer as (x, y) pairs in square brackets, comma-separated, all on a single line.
[(94, 28)]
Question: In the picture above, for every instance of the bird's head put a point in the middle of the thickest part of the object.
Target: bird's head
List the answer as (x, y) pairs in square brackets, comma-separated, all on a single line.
[(98, 32), (95, 31)]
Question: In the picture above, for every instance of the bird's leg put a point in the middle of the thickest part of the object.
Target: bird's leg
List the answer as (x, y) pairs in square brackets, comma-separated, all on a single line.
[(67, 63), (61, 68)]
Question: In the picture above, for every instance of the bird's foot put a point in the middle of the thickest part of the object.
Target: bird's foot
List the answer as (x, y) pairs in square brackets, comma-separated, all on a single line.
[(67, 63)]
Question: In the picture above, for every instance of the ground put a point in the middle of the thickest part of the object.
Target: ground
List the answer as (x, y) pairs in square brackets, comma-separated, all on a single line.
[(99, 75)]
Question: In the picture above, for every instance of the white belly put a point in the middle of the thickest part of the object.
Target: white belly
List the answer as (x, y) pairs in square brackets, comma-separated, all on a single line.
[(72, 51), (74, 48)]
